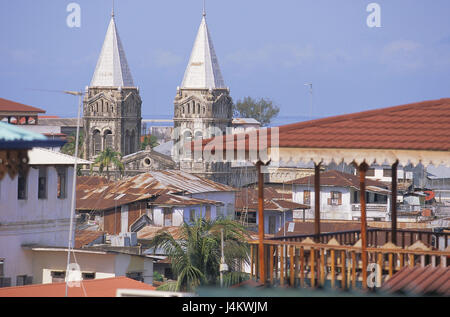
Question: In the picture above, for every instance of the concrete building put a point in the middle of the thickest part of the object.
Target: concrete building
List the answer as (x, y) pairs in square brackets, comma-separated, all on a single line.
[(339, 197), (35, 211)]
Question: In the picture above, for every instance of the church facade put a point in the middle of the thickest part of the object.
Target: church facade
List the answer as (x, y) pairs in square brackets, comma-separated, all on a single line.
[(203, 108)]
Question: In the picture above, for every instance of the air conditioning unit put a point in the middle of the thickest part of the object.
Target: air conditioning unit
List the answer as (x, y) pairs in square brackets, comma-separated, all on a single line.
[(129, 238)]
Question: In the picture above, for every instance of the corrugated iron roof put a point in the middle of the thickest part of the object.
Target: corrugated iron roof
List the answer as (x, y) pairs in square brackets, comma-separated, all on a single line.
[(420, 281), (339, 179), (84, 237), (247, 198), (101, 194)]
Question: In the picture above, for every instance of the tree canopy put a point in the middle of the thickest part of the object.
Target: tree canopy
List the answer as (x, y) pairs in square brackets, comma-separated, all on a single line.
[(107, 158), (262, 110), (196, 254)]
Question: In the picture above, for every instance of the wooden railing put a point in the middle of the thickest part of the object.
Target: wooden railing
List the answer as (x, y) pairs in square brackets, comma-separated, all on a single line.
[(309, 264), (378, 237)]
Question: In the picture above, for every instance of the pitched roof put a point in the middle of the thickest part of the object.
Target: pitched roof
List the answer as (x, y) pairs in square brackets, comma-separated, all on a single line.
[(375, 136), (420, 281), (12, 106), (101, 194), (247, 198), (112, 67), (41, 156), (85, 237), (339, 179), (106, 287), (203, 70)]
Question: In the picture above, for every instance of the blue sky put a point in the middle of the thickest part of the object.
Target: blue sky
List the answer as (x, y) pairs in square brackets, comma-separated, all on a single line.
[(265, 49)]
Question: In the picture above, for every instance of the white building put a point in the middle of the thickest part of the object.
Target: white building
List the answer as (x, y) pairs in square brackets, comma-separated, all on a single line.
[(339, 197), (35, 210)]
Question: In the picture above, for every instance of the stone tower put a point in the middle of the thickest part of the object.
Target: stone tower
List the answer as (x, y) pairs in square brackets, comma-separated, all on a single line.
[(112, 104), (202, 106)]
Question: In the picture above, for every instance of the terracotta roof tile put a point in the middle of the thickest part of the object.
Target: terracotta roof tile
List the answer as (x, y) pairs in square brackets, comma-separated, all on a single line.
[(12, 106)]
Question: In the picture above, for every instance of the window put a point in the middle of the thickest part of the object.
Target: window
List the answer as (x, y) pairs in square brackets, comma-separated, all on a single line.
[(97, 142), (219, 211), (137, 276), (24, 280), (88, 275), (62, 182), (336, 199), (2, 267), (387, 173), (168, 217), (22, 186), (307, 197), (370, 172), (272, 223), (58, 276), (42, 183)]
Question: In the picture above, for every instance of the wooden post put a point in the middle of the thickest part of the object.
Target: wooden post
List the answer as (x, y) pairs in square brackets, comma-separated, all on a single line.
[(271, 264), (353, 269), (312, 266), (343, 268), (317, 202), (251, 261), (262, 275), (302, 267), (322, 267), (291, 263), (333, 270), (394, 203), (363, 167), (282, 265)]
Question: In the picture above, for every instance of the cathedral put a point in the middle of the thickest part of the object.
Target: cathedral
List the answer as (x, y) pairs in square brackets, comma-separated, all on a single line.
[(112, 110), (203, 107)]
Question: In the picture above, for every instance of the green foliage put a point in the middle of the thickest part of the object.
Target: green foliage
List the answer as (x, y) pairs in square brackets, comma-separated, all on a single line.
[(196, 255), (69, 147), (157, 276), (262, 110), (107, 158), (149, 140)]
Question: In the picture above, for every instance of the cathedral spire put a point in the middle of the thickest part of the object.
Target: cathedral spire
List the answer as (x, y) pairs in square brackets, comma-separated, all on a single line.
[(203, 71), (112, 67)]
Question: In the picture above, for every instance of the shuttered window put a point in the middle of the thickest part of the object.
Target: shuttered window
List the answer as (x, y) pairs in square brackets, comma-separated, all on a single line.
[(335, 199), (307, 197)]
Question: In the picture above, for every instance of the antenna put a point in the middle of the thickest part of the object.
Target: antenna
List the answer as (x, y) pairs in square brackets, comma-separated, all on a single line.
[(204, 8), (112, 12), (311, 92)]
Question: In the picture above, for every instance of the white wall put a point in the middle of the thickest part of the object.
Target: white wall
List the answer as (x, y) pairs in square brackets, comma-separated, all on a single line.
[(227, 198), (326, 211), (32, 221)]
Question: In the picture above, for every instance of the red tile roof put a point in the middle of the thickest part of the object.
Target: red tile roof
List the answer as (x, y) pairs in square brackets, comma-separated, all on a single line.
[(93, 288), (417, 126), (420, 281), (12, 106)]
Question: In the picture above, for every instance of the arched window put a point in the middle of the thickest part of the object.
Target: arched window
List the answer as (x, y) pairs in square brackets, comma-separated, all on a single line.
[(132, 142), (198, 135), (108, 140), (97, 139), (189, 108), (127, 143), (198, 108)]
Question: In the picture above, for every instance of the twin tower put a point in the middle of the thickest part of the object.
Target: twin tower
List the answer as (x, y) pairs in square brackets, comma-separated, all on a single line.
[(112, 104)]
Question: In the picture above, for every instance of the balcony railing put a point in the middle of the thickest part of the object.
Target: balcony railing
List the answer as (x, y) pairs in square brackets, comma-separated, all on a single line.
[(309, 264), (377, 237)]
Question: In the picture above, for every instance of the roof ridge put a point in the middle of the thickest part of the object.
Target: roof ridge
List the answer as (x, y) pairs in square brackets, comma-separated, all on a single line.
[(357, 115)]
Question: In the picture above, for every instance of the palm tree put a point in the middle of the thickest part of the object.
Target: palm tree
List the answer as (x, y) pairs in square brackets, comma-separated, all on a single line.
[(69, 147), (196, 254), (105, 159)]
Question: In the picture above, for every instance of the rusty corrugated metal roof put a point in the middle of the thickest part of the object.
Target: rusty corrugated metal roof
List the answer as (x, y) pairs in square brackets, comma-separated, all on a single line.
[(98, 193), (247, 198)]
